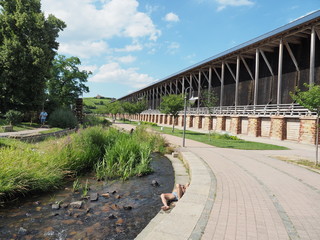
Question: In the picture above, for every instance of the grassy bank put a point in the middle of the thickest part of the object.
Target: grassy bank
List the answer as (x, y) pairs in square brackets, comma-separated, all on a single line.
[(215, 139), (111, 153), (20, 127)]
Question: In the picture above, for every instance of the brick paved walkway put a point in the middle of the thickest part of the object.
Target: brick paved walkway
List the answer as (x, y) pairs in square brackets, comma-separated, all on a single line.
[(258, 196)]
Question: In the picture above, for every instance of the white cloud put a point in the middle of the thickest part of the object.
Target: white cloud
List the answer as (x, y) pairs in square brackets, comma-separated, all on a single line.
[(233, 3), (91, 68), (112, 72), (130, 48), (171, 17), (126, 59), (84, 49), (173, 47), (88, 23)]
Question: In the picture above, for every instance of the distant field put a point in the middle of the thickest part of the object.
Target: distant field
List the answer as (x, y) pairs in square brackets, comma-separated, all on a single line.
[(97, 106)]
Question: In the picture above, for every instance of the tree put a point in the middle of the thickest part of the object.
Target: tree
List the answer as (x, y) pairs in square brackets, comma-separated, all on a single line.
[(128, 108), (66, 83), (310, 99), (141, 105), (27, 47), (115, 108), (208, 99), (172, 104)]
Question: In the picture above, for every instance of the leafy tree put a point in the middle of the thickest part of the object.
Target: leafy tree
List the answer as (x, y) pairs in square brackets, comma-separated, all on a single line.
[(115, 108), (172, 104), (67, 81), (128, 108), (13, 117), (27, 47), (310, 99), (208, 99), (140, 106)]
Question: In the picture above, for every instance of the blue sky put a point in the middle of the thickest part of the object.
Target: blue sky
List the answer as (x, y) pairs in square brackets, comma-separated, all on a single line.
[(129, 44)]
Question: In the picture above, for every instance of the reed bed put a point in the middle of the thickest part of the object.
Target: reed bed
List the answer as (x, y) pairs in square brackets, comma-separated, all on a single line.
[(44, 166)]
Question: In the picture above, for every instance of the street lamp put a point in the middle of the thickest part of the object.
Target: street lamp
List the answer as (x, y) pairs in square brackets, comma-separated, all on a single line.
[(192, 101)]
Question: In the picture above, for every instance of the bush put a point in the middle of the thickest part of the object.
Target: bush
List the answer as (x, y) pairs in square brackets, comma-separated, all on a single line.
[(13, 117), (62, 118), (91, 120)]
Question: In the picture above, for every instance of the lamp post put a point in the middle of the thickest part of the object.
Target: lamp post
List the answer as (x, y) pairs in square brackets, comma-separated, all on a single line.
[(192, 100)]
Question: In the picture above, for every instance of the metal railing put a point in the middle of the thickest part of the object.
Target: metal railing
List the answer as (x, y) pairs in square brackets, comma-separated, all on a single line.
[(260, 110)]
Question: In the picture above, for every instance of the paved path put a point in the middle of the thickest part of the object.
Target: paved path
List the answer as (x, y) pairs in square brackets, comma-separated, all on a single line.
[(258, 196), (23, 133)]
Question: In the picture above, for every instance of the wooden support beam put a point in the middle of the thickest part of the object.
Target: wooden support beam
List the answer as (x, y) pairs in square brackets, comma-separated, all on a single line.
[(215, 70), (230, 70), (280, 64), (312, 55), (294, 60), (266, 49), (210, 79), (266, 61), (293, 40), (205, 75), (247, 67), (183, 86), (222, 84), (199, 88), (256, 78), (237, 81), (318, 33)]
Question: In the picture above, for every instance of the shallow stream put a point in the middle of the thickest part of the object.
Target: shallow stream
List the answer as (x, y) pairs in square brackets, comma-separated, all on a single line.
[(120, 212)]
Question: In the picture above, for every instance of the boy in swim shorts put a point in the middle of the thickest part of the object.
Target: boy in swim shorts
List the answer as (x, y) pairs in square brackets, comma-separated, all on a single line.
[(174, 196)]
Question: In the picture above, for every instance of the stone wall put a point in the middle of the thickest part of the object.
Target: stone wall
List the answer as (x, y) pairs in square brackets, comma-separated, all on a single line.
[(278, 125)]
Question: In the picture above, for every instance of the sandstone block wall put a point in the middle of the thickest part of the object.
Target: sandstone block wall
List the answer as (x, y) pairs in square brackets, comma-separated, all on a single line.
[(278, 125)]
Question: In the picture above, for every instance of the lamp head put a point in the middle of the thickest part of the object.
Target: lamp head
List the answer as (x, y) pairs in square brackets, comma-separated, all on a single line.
[(193, 99)]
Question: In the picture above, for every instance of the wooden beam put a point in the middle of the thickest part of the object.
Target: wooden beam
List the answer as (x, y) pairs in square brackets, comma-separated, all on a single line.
[(280, 64), (215, 70), (267, 62), (291, 55), (230, 70), (247, 67)]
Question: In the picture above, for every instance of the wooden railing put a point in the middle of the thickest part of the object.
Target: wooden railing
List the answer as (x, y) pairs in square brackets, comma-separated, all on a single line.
[(260, 110)]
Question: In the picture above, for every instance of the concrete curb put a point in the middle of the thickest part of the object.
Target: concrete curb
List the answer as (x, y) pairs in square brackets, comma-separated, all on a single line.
[(189, 217)]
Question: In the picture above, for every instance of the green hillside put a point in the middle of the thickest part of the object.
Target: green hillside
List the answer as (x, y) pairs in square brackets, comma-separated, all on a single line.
[(95, 106)]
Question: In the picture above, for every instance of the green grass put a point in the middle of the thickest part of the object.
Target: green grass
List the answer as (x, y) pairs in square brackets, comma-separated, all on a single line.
[(28, 167), (95, 106), (20, 127), (51, 130), (218, 140)]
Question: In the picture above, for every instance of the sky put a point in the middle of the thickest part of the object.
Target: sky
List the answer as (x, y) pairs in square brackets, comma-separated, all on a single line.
[(130, 44)]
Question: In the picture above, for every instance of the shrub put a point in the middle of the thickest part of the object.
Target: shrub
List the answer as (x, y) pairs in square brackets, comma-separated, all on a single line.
[(13, 117), (91, 120), (62, 118)]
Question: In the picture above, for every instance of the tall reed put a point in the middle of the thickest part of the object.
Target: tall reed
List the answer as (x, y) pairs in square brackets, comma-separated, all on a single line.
[(43, 166)]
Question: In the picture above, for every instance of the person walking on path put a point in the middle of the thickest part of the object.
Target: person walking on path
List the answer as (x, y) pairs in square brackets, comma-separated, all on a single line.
[(43, 115)]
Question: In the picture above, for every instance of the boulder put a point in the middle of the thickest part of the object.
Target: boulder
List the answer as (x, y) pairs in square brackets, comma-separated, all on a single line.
[(93, 196), (155, 183), (77, 204)]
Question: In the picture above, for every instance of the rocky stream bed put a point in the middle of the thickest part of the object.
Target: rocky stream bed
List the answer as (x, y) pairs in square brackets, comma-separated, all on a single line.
[(112, 209)]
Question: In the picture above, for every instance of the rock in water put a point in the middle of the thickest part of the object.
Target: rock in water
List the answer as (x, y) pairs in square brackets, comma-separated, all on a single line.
[(22, 231), (155, 183), (55, 206), (111, 216), (93, 196), (77, 204), (105, 195)]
